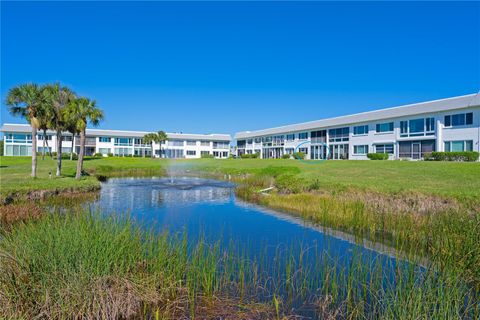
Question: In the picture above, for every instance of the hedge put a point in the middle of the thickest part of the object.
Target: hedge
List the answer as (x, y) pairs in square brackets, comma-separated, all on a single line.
[(468, 156), (286, 156), (206, 156), (249, 156), (377, 156), (299, 155)]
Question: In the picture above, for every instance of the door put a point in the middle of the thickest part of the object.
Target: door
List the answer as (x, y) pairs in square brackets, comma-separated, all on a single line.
[(416, 150)]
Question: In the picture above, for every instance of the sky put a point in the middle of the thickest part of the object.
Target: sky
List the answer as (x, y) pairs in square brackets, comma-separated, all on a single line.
[(224, 67)]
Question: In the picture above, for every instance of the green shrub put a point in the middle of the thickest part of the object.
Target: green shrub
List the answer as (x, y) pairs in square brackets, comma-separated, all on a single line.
[(110, 154), (250, 156), (66, 156), (98, 155), (207, 156), (286, 156), (299, 155), (468, 156), (289, 183), (1, 147), (377, 156)]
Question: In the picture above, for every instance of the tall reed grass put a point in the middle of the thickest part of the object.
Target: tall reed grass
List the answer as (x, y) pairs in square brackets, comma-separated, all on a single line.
[(84, 265)]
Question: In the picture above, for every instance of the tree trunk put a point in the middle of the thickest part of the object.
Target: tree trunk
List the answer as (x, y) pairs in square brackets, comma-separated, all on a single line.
[(80, 155), (73, 145), (59, 153), (34, 151), (151, 146), (46, 142), (43, 151), (143, 152)]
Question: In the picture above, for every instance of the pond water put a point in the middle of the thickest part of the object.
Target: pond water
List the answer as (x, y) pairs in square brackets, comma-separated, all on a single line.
[(208, 210)]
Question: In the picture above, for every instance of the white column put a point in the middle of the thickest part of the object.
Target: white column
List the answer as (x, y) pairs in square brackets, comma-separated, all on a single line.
[(439, 146)]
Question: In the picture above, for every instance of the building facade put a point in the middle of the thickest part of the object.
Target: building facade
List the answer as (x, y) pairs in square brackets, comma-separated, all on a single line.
[(18, 142), (405, 132)]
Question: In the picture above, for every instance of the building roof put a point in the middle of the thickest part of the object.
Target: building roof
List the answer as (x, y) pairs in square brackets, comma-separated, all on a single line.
[(447, 104), (11, 127)]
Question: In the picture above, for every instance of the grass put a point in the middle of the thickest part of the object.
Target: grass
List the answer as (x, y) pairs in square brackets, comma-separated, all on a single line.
[(80, 265)]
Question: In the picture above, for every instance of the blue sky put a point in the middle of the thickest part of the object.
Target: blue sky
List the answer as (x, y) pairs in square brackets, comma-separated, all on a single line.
[(227, 66)]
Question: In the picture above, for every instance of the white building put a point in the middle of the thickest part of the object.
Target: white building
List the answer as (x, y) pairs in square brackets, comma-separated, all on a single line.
[(18, 142), (406, 132)]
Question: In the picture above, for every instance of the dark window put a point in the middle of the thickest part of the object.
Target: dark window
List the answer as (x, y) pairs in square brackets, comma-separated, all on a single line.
[(385, 127), (469, 118), (448, 121), (360, 130)]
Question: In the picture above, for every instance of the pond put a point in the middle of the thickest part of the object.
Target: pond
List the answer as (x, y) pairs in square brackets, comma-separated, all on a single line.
[(282, 247)]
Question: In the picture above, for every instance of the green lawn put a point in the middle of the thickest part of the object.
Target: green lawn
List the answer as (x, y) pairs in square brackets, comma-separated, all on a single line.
[(460, 180), (440, 178)]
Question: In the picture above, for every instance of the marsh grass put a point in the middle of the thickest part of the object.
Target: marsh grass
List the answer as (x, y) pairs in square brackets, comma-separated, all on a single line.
[(83, 265)]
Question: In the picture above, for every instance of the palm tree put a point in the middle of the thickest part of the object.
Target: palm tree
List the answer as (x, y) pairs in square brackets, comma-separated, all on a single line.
[(162, 136), (27, 101), (83, 110), (59, 97), (150, 138)]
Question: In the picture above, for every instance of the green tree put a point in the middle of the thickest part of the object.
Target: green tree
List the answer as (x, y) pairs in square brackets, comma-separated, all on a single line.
[(162, 136), (27, 101), (150, 138), (83, 111), (1, 147), (59, 97)]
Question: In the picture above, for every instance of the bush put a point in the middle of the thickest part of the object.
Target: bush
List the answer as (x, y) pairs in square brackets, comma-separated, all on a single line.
[(467, 156), (377, 156), (286, 156), (110, 154), (98, 155), (250, 156), (289, 183), (299, 155), (206, 156)]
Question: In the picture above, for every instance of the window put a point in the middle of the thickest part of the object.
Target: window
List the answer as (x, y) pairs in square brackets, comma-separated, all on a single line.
[(104, 150), (338, 135), (459, 146), (360, 130), (459, 119), (416, 126), (258, 140), (429, 124), (290, 137), (403, 128), (191, 143), (138, 141), (303, 135), (18, 138), (40, 137), (289, 150), (191, 152), (303, 150), (67, 138), (241, 143), (362, 149), (204, 153), (384, 148), (122, 151), (44, 150), (220, 145), (104, 139), (384, 127), (176, 143), (205, 143), (18, 150), (249, 141), (123, 141)]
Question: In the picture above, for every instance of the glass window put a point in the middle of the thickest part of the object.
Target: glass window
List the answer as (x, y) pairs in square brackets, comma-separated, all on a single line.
[(469, 118), (429, 124), (384, 148), (457, 146), (191, 152), (104, 139), (205, 143), (104, 150), (241, 143), (459, 119), (176, 143), (416, 126), (384, 127), (258, 140), (404, 128), (40, 137), (359, 130), (339, 134), (303, 135), (191, 143), (447, 146), (249, 141), (123, 141), (469, 145), (290, 137), (67, 138), (362, 149)]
